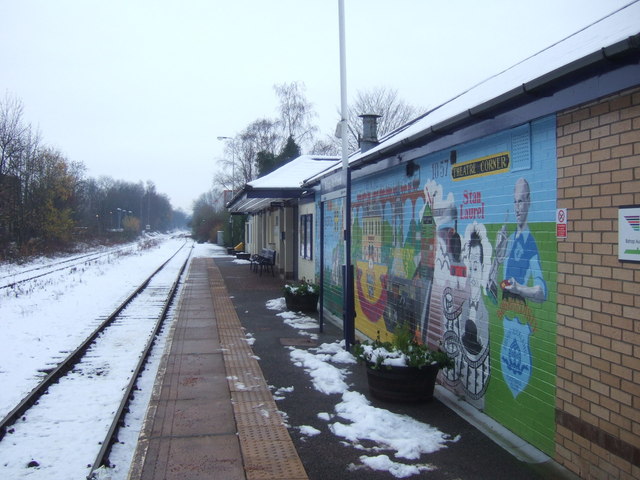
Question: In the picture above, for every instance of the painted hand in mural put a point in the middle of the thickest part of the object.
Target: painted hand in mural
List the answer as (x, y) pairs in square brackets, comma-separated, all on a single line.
[(535, 293)]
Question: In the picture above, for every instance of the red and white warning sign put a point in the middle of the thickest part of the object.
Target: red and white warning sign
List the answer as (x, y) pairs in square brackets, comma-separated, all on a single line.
[(561, 223)]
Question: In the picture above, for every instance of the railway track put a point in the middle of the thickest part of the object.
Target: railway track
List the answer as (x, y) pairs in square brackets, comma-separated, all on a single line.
[(30, 274), (92, 386)]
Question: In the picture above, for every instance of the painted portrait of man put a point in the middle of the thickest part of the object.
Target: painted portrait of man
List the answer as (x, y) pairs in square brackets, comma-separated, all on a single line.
[(523, 282), (522, 271)]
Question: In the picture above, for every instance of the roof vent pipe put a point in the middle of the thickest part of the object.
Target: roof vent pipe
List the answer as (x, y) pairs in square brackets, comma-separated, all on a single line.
[(369, 131)]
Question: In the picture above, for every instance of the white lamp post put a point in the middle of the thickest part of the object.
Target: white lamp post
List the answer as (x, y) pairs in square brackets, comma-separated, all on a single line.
[(233, 181)]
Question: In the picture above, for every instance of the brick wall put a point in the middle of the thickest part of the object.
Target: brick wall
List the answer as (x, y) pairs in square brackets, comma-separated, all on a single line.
[(598, 356)]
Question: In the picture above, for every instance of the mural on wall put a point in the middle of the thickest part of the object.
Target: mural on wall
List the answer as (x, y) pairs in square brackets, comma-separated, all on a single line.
[(454, 250), (333, 255), (523, 281)]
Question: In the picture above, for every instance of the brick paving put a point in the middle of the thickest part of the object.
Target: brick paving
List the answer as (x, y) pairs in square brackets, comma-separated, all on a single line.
[(212, 415)]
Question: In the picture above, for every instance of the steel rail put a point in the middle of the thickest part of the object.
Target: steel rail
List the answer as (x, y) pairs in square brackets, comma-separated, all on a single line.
[(68, 363), (82, 259), (102, 459)]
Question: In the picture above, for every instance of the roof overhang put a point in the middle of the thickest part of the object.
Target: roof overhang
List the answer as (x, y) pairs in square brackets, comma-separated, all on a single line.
[(250, 200), (625, 52), (280, 186), (604, 71)]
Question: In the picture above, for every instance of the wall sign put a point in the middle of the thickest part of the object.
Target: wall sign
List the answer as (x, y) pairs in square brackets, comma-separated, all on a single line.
[(629, 233), (481, 167), (561, 223)]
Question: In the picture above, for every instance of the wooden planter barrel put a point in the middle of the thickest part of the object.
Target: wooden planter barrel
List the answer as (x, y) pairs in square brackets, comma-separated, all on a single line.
[(302, 303), (402, 384)]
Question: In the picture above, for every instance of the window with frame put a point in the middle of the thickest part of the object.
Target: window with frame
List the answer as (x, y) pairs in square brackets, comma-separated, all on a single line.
[(306, 236)]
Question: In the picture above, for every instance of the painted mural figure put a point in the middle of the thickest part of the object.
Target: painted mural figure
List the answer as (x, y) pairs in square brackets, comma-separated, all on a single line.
[(476, 330), (475, 338), (443, 302), (523, 281), (448, 256), (523, 261), (448, 297), (467, 339)]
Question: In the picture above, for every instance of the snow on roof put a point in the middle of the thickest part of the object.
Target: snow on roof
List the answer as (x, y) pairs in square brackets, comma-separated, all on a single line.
[(616, 27), (292, 174)]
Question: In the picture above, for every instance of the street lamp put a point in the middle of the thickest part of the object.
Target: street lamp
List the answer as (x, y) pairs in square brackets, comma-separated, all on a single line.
[(233, 181), (233, 164)]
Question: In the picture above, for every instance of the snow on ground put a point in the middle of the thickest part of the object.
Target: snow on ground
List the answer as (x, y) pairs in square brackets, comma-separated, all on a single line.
[(60, 310), (44, 319), (354, 418), (276, 304), (300, 322)]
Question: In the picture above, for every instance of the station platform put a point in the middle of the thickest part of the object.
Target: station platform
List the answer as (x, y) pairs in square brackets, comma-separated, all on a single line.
[(213, 416)]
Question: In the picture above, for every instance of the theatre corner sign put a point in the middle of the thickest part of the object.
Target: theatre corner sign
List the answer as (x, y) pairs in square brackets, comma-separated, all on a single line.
[(629, 233)]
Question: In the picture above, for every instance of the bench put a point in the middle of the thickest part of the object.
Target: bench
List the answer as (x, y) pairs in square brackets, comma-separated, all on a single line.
[(266, 259)]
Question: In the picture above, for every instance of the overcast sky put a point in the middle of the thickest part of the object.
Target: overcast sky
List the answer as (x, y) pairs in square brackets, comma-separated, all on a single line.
[(140, 89)]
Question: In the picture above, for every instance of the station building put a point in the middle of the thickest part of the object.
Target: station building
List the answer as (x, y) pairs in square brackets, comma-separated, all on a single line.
[(504, 227)]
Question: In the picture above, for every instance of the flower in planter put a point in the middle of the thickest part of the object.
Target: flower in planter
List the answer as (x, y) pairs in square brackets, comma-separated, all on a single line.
[(301, 288), (402, 351), (301, 296)]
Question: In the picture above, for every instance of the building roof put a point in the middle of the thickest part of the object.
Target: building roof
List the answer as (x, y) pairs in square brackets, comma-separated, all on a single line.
[(282, 184), (293, 173), (612, 36)]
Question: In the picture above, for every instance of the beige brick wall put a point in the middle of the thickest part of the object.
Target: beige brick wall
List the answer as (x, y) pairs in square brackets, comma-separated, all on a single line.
[(598, 356)]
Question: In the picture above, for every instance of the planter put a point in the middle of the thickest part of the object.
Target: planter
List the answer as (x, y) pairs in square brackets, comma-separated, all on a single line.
[(302, 303), (402, 384)]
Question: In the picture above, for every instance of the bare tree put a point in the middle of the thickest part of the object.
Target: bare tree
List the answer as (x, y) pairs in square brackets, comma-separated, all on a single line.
[(223, 178), (12, 132), (296, 112), (268, 138), (326, 146), (262, 135), (209, 216), (241, 152), (393, 111)]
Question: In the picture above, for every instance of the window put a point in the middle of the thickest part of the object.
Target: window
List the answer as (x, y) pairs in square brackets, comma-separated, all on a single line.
[(306, 236)]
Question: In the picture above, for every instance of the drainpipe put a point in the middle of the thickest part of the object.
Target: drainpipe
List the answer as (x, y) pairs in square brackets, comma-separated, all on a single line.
[(321, 318)]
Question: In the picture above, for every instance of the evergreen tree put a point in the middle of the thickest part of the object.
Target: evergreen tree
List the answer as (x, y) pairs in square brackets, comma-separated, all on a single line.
[(266, 162), (290, 151)]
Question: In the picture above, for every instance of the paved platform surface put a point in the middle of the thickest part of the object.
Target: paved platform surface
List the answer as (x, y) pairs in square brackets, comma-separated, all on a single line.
[(212, 414)]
